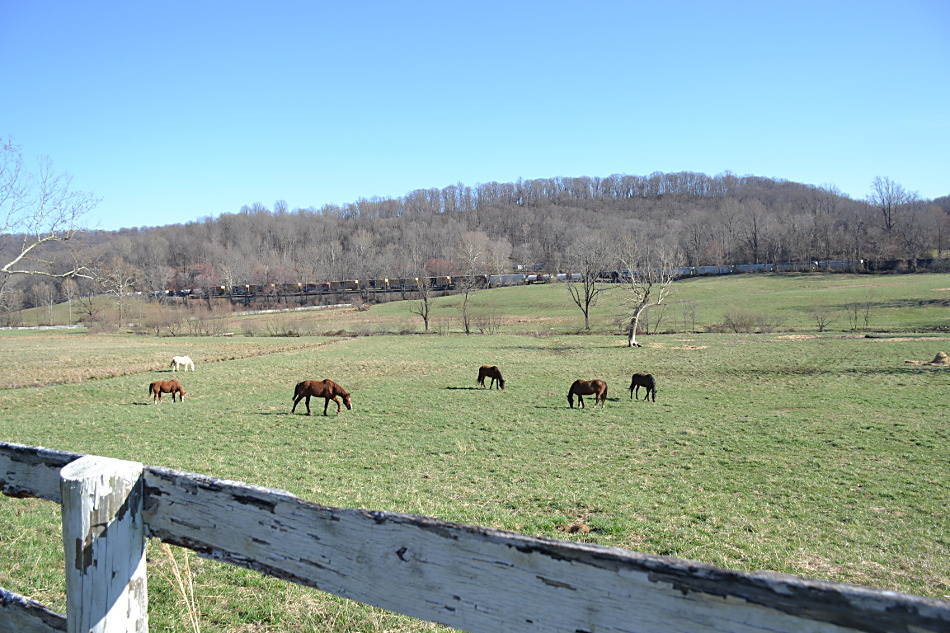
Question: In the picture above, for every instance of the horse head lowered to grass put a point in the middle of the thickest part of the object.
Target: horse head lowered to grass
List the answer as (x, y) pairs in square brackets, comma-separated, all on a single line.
[(321, 389), (581, 388), (157, 388), (643, 380), (183, 363), (492, 372)]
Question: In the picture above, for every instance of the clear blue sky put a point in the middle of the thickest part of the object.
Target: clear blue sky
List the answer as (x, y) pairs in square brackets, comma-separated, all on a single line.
[(173, 111)]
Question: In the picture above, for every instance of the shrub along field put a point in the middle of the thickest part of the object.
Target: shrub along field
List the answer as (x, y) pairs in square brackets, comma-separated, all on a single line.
[(825, 455)]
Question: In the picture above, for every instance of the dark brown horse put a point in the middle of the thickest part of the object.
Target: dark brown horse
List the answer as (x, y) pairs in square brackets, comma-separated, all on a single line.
[(580, 388), (490, 371), (321, 389), (157, 388), (643, 380)]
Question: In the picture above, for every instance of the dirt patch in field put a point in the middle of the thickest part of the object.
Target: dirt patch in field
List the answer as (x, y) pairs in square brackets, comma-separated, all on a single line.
[(798, 337)]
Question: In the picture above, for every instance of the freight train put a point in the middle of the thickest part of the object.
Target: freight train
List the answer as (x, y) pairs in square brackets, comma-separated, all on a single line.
[(449, 283)]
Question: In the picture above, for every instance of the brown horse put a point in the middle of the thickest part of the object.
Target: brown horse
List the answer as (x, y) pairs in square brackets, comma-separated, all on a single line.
[(580, 388), (643, 380), (490, 371), (157, 388), (321, 389)]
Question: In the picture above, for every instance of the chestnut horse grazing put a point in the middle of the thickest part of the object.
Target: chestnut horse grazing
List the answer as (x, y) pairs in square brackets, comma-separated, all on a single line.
[(490, 371), (157, 388), (580, 388), (182, 362), (643, 380), (321, 389)]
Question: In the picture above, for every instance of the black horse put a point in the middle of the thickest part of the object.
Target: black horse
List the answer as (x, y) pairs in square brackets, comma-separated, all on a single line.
[(643, 380), (492, 372)]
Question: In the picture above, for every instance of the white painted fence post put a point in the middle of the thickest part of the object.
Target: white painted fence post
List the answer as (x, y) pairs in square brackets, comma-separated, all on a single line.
[(104, 540)]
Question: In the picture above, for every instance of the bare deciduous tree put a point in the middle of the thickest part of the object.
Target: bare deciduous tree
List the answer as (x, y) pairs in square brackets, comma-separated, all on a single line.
[(36, 210), (890, 199), (117, 278), (423, 305), (647, 276), (589, 257), (472, 254)]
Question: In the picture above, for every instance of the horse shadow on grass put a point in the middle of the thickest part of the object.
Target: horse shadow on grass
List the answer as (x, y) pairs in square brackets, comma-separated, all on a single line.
[(576, 406), (465, 388)]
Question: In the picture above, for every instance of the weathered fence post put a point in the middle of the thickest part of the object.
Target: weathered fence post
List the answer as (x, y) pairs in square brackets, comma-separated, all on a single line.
[(104, 541)]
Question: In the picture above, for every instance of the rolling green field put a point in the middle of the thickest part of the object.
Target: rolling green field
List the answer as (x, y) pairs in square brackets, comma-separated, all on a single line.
[(788, 302), (824, 455)]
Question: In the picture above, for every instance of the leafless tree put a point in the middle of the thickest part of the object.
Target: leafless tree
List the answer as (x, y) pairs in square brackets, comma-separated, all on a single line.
[(588, 258), (37, 210), (647, 276), (117, 278), (824, 316), (43, 295), (472, 253), (891, 200), (69, 288)]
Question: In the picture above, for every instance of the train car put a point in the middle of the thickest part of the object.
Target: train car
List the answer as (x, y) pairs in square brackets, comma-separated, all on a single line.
[(509, 279), (377, 285)]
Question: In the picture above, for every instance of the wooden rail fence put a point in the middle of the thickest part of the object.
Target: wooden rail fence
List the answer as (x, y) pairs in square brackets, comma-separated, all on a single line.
[(471, 578)]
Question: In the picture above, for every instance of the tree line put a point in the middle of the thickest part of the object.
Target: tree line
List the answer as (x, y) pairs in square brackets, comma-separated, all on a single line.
[(693, 219)]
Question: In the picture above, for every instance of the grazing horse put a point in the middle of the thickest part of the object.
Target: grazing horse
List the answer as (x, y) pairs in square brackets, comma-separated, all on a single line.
[(157, 388), (580, 388), (321, 389), (183, 362), (643, 380), (490, 371)]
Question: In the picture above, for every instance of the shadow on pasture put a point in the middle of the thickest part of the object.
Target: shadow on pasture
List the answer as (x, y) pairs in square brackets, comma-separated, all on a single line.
[(465, 388)]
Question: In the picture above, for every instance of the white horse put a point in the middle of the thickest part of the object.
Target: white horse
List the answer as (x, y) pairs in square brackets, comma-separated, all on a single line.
[(183, 362)]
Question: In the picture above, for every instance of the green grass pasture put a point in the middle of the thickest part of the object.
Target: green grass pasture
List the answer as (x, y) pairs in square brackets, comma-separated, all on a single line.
[(898, 303), (825, 456)]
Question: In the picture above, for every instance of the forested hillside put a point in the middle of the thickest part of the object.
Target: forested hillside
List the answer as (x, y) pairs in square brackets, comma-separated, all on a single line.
[(488, 228)]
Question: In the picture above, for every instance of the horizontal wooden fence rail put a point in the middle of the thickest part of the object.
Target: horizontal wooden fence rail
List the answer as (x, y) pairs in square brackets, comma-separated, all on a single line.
[(471, 578)]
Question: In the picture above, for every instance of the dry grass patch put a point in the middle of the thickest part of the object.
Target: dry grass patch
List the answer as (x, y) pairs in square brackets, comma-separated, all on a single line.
[(43, 359)]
